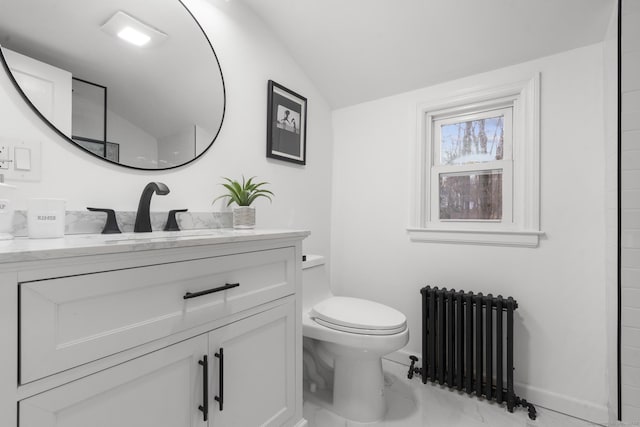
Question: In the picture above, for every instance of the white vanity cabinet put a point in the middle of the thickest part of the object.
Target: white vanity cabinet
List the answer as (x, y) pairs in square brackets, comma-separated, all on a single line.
[(200, 332)]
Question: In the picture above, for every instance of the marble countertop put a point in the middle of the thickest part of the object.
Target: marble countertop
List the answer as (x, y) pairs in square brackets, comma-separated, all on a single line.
[(25, 249)]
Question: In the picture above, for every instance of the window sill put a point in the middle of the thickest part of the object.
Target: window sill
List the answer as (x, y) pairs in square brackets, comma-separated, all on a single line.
[(523, 238)]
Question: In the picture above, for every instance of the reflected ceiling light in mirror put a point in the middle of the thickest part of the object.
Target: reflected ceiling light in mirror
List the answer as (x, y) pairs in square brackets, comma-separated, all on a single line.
[(134, 36), (128, 28)]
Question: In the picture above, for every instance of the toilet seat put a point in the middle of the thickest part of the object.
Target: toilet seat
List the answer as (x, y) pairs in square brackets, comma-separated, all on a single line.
[(358, 316)]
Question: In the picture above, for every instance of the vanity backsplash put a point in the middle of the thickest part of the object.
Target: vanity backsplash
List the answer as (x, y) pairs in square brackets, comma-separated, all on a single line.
[(85, 222)]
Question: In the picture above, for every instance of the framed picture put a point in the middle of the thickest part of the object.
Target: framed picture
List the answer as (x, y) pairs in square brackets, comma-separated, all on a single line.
[(286, 124)]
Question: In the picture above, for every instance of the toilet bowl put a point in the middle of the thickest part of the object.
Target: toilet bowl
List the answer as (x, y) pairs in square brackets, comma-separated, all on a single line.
[(354, 334)]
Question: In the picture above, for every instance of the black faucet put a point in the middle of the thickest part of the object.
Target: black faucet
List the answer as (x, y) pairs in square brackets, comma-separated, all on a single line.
[(143, 219)]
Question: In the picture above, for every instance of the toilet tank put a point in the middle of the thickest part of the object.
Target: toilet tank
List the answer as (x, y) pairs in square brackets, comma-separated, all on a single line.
[(315, 281)]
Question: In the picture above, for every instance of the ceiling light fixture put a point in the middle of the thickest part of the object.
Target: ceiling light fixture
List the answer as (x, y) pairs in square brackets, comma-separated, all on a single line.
[(130, 29), (134, 36)]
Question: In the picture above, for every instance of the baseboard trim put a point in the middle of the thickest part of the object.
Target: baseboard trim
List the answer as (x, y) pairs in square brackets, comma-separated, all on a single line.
[(568, 405), (302, 423), (562, 403)]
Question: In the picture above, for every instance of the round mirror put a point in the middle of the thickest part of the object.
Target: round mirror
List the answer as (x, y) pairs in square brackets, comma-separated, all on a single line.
[(135, 82)]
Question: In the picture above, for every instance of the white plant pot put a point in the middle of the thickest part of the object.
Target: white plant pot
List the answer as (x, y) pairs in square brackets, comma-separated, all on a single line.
[(244, 217)]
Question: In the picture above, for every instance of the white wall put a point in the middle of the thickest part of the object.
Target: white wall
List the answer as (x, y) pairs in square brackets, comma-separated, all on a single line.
[(137, 147), (204, 137), (177, 148), (560, 354), (630, 189), (249, 55)]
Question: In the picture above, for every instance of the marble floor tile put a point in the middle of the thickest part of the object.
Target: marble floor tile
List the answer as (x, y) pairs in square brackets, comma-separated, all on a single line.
[(413, 404)]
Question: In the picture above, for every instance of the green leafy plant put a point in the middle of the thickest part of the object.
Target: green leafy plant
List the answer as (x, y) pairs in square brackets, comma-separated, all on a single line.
[(244, 194)]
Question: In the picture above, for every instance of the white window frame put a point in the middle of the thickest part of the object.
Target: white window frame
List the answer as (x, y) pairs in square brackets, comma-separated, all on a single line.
[(520, 225)]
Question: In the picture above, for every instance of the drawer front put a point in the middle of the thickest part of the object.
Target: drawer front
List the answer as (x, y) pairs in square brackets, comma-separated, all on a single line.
[(68, 321)]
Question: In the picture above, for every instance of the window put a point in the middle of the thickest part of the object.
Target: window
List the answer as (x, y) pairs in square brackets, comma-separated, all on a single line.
[(478, 168), (471, 163)]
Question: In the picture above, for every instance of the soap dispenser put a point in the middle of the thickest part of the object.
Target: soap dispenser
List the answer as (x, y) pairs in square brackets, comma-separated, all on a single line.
[(6, 210)]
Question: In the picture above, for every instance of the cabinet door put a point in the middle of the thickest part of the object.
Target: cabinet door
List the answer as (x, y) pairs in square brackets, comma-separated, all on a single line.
[(160, 389), (253, 370)]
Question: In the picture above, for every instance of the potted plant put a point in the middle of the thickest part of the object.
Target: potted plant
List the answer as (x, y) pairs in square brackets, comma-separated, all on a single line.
[(243, 195)]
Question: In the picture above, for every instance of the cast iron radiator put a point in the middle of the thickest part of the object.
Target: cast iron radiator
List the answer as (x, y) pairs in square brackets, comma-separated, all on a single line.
[(463, 340)]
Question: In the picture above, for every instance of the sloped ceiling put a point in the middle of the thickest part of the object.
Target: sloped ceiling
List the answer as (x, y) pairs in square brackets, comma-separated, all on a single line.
[(359, 50)]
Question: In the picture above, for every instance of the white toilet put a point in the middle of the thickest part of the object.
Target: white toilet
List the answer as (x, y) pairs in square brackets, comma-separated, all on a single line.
[(347, 338)]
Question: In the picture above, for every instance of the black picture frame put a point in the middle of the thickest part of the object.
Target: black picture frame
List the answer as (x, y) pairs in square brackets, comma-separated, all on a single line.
[(286, 124)]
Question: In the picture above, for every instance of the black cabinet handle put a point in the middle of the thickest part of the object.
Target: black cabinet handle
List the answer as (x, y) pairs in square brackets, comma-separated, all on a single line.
[(205, 388), (210, 291), (220, 397)]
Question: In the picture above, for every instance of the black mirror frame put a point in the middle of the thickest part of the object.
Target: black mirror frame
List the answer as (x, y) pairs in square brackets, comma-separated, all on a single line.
[(69, 140)]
